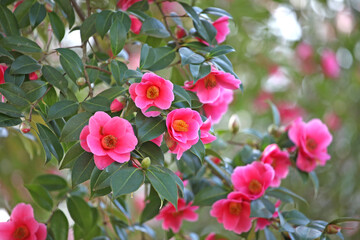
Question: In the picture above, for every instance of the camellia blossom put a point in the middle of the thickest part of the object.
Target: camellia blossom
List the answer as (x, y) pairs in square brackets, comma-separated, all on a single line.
[(261, 223), (222, 30), (125, 4), (152, 91), (205, 136), (233, 212), (208, 88), (116, 106), (329, 64), (109, 139), (279, 160), (182, 127), (305, 56), (312, 140), (289, 112), (253, 179), (136, 24), (2, 72), (22, 225), (213, 236), (158, 140), (173, 218), (218, 108), (33, 76)]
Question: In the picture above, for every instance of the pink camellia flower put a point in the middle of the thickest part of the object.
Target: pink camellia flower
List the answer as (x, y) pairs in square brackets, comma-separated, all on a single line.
[(205, 136), (116, 106), (332, 120), (182, 127), (261, 223), (218, 108), (261, 104), (152, 91), (109, 139), (233, 212), (134, 51), (172, 7), (329, 64), (22, 225), (158, 140), (312, 140), (125, 4), (279, 160), (2, 73), (305, 56), (253, 179), (180, 32), (33, 76), (289, 112), (222, 27), (173, 218), (208, 88), (213, 236), (136, 24)]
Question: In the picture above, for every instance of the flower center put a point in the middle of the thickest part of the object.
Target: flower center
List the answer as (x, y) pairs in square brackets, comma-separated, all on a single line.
[(255, 186), (235, 208), (311, 144), (21, 232), (176, 214), (180, 126), (210, 81), (152, 92), (109, 142)]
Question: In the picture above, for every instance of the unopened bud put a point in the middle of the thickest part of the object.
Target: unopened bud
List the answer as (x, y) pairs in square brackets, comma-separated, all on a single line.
[(145, 163), (25, 127), (332, 229), (234, 124), (180, 32), (80, 81), (116, 106), (170, 143), (273, 129)]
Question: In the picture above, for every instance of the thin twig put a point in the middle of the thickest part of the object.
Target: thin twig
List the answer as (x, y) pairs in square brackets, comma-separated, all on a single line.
[(84, 58), (88, 7), (36, 103), (98, 68), (78, 10)]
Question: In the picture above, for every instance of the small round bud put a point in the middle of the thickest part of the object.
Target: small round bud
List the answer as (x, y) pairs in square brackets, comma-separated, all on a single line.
[(274, 130), (25, 127), (332, 229), (145, 163), (116, 106), (234, 124), (80, 81)]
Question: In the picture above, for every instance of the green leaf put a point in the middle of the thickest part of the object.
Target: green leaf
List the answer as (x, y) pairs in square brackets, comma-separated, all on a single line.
[(208, 195), (63, 108), (82, 169), (126, 180), (344, 219), (6, 121), (190, 57), (159, 58), (71, 155), (284, 191), (163, 183), (40, 195), (315, 181), (97, 103), (224, 64), (221, 50), (57, 26), (22, 13), (118, 70), (216, 11), (16, 79), (152, 208), (275, 114), (295, 217), (10, 110), (34, 89), (51, 182), (207, 31), (262, 208), (113, 92), (49, 139), (5, 53), (181, 94), (87, 28), (154, 28), (24, 65), (149, 128), (71, 63), (118, 34), (59, 225), (37, 14), (14, 94), (151, 150), (133, 74), (103, 179), (8, 22), (73, 127), (306, 233), (54, 77), (198, 150), (68, 11), (80, 212), (20, 44), (199, 71), (103, 22), (268, 234)]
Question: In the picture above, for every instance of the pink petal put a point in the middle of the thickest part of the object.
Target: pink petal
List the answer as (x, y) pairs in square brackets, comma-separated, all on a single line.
[(119, 157), (95, 146), (102, 162), (41, 232), (22, 211)]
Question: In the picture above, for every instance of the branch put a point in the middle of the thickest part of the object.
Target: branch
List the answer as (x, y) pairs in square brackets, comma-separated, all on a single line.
[(98, 68), (78, 10), (37, 102)]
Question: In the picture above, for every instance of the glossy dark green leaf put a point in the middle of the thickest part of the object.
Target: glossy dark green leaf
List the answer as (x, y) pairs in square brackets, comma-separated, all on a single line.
[(118, 70), (59, 225), (216, 11), (97, 103), (181, 94), (207, 31), (159, 58), (54, 77), (155, 28), (68, 11), (14, 94), (34, 89), (87, 28), (63, 108), (20, 44), (73, 127), (198, 150), (71, 63), (141, 6), (51, 182), (284, 191), (224, 64), (40, 195), (71, 155), (190, 57), (208, 195), (80, 212), (262, 208), (268, 234), (37, 14), (82, 169), (57, 25), (103, 22), (306, 233), (24, 65), (7, 121), (10, 110), (118, 34), (199, 71), (8, 22), (133, 74), (126, 180), (16, 79), (295, 217), (151, 150), (113, 92), (152, 208), (221, 50), (22, 13), (149, 128), (103, 179), (5, 53), (48, 138)]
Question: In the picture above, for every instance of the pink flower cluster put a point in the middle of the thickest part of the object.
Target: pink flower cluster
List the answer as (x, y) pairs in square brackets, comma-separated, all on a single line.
[(22, 225)]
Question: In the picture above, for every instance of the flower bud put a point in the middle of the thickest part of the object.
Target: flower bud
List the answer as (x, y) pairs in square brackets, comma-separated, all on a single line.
[(25, 127), (180, 32), (234, 124), (80, 81), (332, 229), (145, 163), (170, 143), (116, 106)]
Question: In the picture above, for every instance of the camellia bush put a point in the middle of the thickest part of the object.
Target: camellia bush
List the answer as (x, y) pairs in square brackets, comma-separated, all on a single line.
[(126, 111)]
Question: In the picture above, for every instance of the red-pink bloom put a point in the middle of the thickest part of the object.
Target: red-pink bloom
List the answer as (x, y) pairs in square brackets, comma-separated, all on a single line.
[(312, 140), (218, 108), (16, 5), (261, 223), (173, 218), (152, 91), (183, 126), (212, 236), (109, 139), (289, 112), (205, 136), (233, 212), (329, 64), (172, 7), (253, 179), (33, 76), (134, 51), (304, 51), (2, 72), (180, 32), (261, 104), (216, 160), (208, 88), (279, 160), (136, 24), (116, 106), (158, 140), (22, 225), (332, 120), (222, 27), (125, 4)]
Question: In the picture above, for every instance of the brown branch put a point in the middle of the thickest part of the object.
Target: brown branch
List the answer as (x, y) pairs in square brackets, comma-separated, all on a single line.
[(36, 103), (88, 7), (78, 10), (98, 68)]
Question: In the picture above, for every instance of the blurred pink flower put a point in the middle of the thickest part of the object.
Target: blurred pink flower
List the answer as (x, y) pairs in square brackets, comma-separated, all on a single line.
[(222, 27), (109, 139), (218, 108), (134, 51), (253, 179), (212, 236), (152, 91), (173, 218), (180, 32), (33, 76), (205, 136), (136, 24), (289, 112), (332, 120), (158, 140), (329, 64), (183, 126), (279, 160), (305, 55), (175, 7), (22, 225), (233, 212), (312, 140), (116, 106), (260, 103), (125, 4), (2, 72)]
